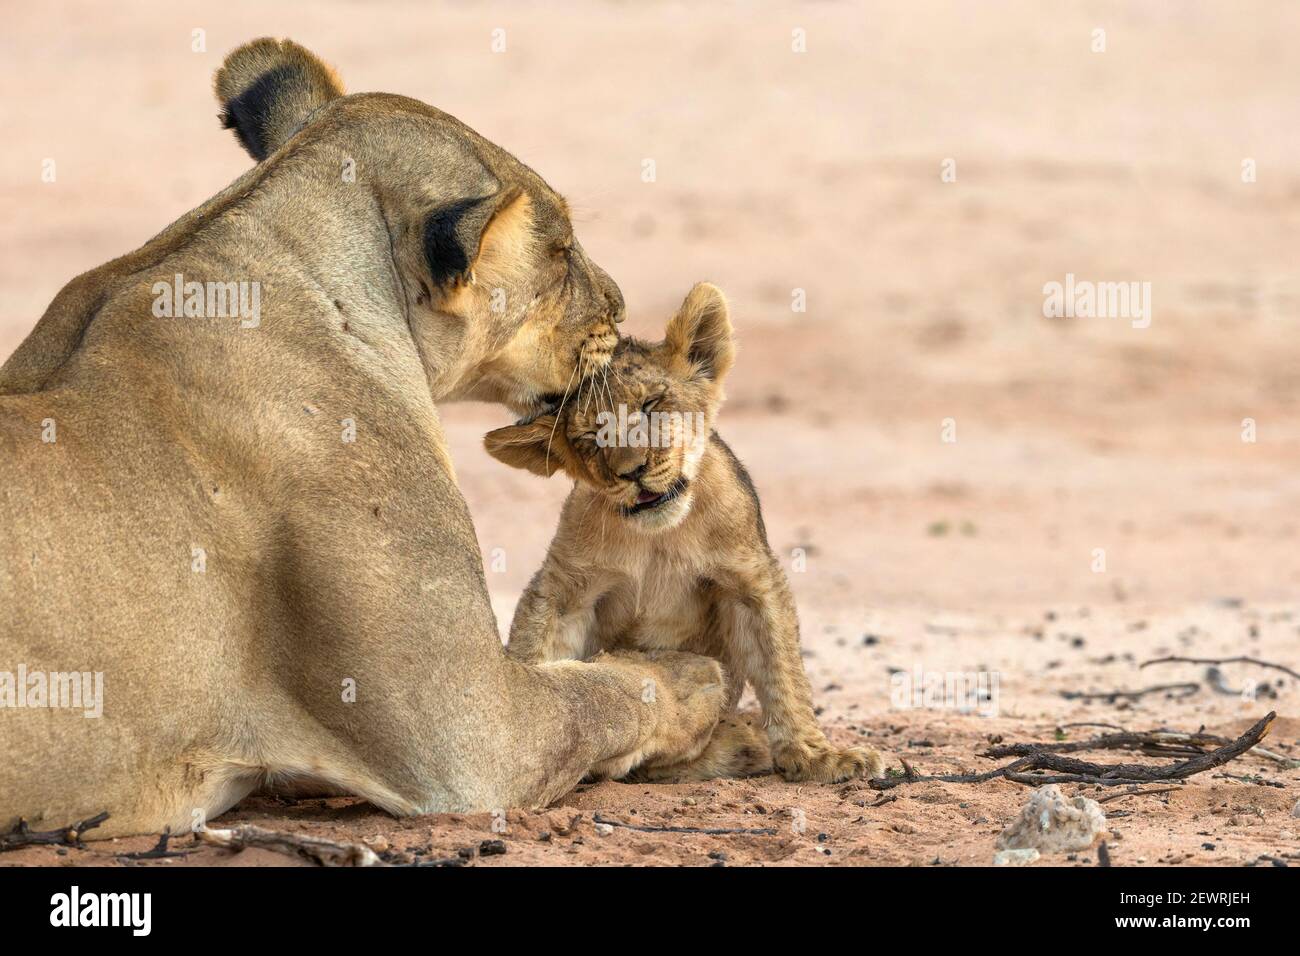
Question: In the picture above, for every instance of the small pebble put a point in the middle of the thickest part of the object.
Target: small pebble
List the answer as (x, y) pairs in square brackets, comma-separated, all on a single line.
[(603, 829), (1015, 857)]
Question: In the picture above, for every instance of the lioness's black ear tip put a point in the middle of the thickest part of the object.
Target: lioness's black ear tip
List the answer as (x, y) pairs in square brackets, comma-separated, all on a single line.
[(267, 88)]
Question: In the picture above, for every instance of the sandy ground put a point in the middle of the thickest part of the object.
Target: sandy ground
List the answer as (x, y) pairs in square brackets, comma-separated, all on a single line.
[(820, 171)]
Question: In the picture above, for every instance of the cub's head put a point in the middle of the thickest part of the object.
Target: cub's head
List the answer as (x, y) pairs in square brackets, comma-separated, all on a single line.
[(636, 431), (502, 301)]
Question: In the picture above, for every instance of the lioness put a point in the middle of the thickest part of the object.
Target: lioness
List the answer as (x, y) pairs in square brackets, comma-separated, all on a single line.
[(661, 545), (249, 526)]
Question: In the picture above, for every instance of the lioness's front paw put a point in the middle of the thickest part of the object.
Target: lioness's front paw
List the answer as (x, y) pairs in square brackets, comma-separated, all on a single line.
[(821, 762), (686, 694)]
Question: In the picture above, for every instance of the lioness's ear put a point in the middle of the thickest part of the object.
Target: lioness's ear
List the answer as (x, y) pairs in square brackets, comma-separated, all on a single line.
[(267, 88), (478, 238), (536, 446), (700, 332)]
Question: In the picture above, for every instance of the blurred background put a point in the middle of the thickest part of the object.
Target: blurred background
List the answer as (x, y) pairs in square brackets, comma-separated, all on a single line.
[(778, 170)]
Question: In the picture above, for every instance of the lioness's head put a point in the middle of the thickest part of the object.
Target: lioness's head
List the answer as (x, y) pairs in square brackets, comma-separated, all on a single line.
[(636, 431), (500, 297)]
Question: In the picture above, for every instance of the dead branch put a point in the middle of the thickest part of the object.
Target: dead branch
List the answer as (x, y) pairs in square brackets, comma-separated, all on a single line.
[(316, 849), (22, 835), (1153, 743), (1181, 690), (159, 851), (1069, 770), (1138, 793), (1224, 660), (709, 831)]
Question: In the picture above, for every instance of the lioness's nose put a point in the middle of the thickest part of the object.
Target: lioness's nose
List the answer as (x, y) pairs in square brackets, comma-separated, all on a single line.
[(613, 295)]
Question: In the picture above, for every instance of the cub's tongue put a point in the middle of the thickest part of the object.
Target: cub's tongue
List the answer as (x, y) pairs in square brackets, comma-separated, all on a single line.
[(646, 496)]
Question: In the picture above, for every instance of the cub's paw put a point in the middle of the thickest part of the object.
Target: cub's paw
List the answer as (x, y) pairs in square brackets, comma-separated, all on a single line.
[(821, 762)]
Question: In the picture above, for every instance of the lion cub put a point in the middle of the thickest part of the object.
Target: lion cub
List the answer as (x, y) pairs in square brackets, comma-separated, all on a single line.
[(661, 545)]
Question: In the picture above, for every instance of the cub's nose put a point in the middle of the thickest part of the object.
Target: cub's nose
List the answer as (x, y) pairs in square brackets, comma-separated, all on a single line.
[(627, 462)]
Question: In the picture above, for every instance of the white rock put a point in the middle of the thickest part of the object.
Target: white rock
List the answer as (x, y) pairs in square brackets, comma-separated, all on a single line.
[(604, 829), (1295, 811), (1015, 857), (1053, 824)]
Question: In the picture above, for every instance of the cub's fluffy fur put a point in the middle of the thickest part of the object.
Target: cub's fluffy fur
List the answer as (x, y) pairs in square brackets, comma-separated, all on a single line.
[(661, 546)]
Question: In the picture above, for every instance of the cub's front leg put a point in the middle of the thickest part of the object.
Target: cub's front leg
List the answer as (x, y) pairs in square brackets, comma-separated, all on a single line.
[(555, 619), (762, 629)]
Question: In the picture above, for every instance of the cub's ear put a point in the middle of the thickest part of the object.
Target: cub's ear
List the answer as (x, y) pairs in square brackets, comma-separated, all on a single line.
[(700, 332), (477, 238), (267, 88), (536, 446)]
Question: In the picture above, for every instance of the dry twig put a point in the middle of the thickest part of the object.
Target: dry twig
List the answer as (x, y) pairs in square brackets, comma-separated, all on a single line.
[(1069, 770), (710, 831), (316, 849), (22, 835), (1225, 660), (1110, 696)]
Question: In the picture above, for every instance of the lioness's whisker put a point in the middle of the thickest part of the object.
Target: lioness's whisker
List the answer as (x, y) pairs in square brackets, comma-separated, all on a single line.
[(563, 399)]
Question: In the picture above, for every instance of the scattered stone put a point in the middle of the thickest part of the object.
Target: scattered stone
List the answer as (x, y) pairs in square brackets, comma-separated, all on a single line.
[(492, 848), (1295, 811), (603, 829), (1051, 823), (1015, 857)]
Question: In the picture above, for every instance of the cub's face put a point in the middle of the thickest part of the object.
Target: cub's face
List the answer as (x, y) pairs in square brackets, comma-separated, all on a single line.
[(501, 299), (635, 432)]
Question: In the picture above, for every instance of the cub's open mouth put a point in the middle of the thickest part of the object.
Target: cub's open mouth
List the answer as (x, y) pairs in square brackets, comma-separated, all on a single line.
[(649, 500)]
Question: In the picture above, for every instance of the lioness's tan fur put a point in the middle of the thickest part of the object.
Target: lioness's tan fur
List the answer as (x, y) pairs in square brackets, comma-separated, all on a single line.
[(241, 527), (693, 572)]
